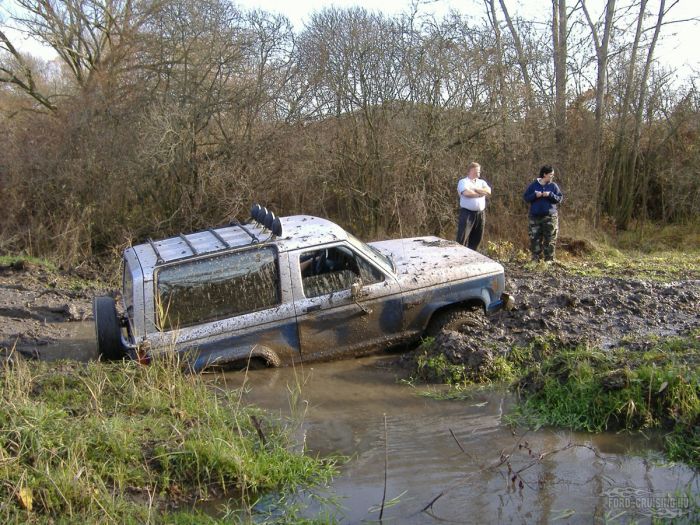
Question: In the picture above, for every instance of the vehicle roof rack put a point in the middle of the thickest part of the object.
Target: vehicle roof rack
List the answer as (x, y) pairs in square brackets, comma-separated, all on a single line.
[(219, 237), (267, 219), (189, 244), (159, 258), (242, 227)]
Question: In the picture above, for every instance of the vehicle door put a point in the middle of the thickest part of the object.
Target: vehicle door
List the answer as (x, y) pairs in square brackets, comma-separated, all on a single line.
[(331, 321)]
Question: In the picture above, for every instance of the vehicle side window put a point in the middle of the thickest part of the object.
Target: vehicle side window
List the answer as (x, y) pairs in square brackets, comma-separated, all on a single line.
[(218, 287), (334, 269), (368, 273), (128, 291)]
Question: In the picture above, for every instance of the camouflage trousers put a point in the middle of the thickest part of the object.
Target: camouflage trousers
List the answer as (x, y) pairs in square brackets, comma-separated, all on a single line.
[(543, 233)]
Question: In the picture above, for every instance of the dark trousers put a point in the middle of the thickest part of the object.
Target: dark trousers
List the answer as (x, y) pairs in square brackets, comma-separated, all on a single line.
[(470, 228)]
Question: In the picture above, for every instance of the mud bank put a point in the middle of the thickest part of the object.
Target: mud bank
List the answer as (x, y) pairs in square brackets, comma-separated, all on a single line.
[(601, 311)]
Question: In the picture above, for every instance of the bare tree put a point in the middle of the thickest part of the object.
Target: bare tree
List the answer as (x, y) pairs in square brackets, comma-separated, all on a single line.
[(624, 181), (16, 70), (492, 16), (619, 179), (559, 40), (522, 57), (642, 185), (84, 33), (182, 111), (601, 88)]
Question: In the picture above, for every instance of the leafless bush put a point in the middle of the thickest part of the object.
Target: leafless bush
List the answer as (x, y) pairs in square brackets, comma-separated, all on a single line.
[(185, 113)]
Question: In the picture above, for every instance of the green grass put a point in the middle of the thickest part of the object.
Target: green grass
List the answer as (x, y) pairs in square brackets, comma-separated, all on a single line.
[(123, 443), (589, 389), (659, 266), (21, 260)]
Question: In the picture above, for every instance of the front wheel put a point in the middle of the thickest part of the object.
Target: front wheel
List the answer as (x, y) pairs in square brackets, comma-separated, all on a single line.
[(108, 329), (456, 318)]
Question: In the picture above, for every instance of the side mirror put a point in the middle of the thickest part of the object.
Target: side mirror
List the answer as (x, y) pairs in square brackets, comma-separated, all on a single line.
[(355, 290)]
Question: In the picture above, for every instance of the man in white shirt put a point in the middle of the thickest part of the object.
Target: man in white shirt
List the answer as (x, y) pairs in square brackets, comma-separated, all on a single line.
[(472, 203)]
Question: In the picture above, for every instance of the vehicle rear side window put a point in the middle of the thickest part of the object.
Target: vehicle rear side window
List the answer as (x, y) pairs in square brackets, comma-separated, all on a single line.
[(217, 287)]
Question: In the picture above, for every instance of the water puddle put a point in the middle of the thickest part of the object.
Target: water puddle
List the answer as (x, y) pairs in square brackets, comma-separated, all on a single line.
[(435, 461), (79, 344), (460, 455)]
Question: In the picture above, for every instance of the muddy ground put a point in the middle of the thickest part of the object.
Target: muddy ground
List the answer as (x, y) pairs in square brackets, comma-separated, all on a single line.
[(553, 302), (37, 305)]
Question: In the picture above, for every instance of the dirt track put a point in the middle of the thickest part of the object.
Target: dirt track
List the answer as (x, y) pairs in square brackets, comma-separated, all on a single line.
[(36, 305), (599, 309)]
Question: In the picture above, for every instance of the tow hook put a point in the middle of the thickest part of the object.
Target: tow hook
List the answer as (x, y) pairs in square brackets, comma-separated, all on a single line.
[(140, 353)]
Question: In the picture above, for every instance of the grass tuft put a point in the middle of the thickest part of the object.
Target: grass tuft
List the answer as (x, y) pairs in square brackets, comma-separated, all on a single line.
[(105, 443), (589, 389)]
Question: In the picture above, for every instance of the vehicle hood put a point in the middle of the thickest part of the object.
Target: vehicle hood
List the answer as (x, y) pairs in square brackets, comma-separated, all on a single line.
[(427, 261)]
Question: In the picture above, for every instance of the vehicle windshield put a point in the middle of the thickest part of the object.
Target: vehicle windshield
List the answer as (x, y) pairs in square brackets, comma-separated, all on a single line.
[(383, 260)]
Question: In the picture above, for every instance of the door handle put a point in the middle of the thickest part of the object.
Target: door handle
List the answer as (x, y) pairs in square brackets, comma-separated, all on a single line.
[(364, 309), (313, 308)]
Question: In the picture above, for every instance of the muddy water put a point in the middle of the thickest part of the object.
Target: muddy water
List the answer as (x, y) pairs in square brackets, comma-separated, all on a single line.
[(360, 409), (78, 343), (579, 479)]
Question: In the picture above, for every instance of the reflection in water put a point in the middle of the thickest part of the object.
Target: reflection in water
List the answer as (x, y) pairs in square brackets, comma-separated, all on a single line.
[(460, 455), (79, 345)]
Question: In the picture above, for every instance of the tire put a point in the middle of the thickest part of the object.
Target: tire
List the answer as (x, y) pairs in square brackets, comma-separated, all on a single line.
[(256, 363), (108, 330), (455, 318)]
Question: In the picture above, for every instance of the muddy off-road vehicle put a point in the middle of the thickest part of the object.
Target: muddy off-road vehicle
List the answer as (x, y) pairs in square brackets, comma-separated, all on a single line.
[(282, 290)]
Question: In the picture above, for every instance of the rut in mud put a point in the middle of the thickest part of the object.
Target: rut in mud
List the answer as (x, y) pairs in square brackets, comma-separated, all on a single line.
[(36, 305)]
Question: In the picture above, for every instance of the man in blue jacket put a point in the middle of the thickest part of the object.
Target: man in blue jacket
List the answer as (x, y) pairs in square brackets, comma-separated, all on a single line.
[(543, 195)]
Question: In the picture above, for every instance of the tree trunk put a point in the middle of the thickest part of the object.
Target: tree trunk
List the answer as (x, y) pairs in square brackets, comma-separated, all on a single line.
[(601, 49), (500, 73), (522, 58), (643, 178), (559, 25), (620, 180)]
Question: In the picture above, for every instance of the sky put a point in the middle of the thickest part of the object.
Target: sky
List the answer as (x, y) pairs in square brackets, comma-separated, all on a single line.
[(681, 50), (680, 47)]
